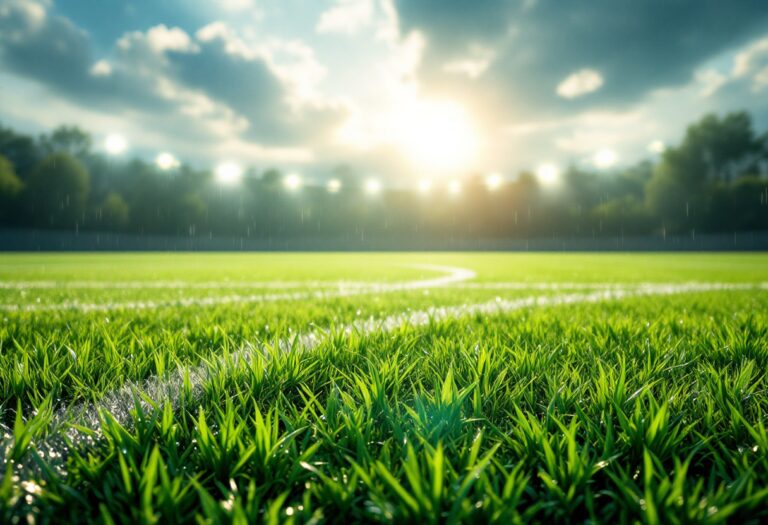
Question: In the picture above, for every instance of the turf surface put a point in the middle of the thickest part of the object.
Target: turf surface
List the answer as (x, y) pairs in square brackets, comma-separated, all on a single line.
[(644, 408)]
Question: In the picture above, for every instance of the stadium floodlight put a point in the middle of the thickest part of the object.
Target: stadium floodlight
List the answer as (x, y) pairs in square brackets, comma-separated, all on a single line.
[(333, 186), (657, 147), (425, 186), (548, 174), (372, 187), (454, 187), (605, 158), (494, 181), (229, 173), (115, 144), (166, 161), (292, 182)]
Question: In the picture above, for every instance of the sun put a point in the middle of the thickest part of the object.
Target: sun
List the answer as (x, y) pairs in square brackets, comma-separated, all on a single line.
[(438, 137)]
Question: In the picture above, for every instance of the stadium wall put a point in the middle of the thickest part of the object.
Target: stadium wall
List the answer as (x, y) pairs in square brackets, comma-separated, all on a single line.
[(46, 240)]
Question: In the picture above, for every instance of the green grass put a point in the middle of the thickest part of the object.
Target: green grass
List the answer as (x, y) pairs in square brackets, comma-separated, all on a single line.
[(646, 409)]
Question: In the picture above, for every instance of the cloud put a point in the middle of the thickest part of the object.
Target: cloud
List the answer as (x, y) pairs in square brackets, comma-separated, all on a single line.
[(474, 64), (452, 25), (49, 48), (53, 51), (659, 118), (159, 39), (710, 81), (580, 83), (751, 58), (760, 80), (752, 62), (24, 12), (102, 68), (541, 81), (637, 47), (297, 66), (255, 97), (346, 17)]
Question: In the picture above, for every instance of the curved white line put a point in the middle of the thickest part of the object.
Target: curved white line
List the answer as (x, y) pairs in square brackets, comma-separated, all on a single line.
[(525, 285), (453, 276), (171, 285)]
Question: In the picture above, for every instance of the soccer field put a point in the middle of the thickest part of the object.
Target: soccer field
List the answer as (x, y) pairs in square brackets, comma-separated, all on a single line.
[(431, 388)]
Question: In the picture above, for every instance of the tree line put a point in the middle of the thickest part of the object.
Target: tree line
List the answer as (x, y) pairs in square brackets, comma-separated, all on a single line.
[(714, 181)]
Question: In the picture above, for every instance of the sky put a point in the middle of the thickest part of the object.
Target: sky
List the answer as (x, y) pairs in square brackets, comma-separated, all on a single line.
[(400, 89)]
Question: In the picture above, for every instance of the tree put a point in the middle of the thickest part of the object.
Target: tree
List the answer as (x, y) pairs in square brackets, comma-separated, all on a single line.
[(668, 197), (272, 179), (10, 188), (192, 211), (57, 191), (20, 150), (714, 150), (749, 196), (114, 211), (67, 139)]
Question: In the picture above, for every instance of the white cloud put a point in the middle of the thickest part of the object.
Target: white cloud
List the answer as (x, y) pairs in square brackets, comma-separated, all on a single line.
[(473, 65), (102, 68), (580, 83), (710, 81), (21, 17), (233, 43), (159, 39), (752, 62), (162, 38), (32, 11), (295, 63), (292, 61), (760, 80), (750, 58), (213, 31), (346, 17), (388, 26)]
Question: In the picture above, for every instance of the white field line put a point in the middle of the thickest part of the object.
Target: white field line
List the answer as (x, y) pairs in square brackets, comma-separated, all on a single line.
[(284, 285), (172, 285), (525, 285), (80, 423), (343, 289), (451, 276)]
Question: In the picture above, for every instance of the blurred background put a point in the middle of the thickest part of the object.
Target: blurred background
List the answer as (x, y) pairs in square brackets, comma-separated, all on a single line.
[(383, 123)]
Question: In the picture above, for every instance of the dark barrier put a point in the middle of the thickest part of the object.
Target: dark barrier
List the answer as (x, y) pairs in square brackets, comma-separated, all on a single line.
[(41, 240)]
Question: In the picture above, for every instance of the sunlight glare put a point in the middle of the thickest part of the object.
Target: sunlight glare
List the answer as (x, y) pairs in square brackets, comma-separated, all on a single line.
[(333, 186), (438, 137)]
